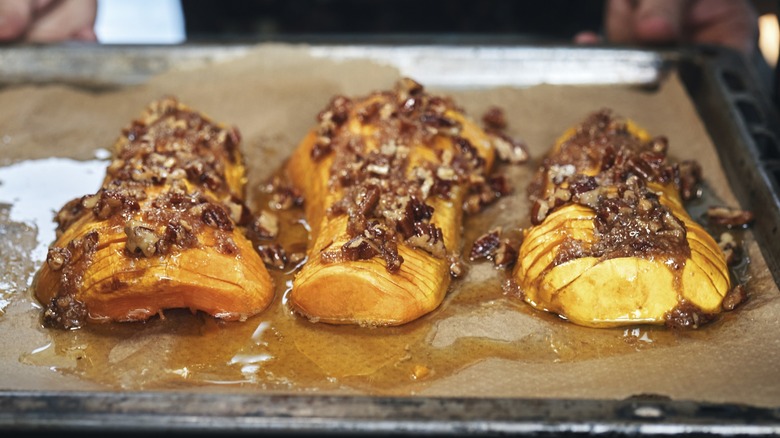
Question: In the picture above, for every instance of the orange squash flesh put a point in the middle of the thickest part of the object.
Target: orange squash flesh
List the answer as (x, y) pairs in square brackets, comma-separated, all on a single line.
[(366, 291), (624, 285), (163, 232)]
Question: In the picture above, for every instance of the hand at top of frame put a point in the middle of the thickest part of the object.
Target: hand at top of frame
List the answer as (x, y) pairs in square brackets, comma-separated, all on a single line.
[(47, 20)]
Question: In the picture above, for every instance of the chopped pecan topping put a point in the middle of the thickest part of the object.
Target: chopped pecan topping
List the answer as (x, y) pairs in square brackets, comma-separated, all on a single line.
[(176, 234), (494, 118), (730, 217), (492, 246), (330, 120), (296, 257), (273, 255), (734, 298), (385, 201), (457, 267), (486, 245), (266, 226), (630, 221), (505, 256), (428, 237), (121, 200), (359, 248), (69, 214), (509, 149), (239, 212), (215, 216), (141, 238), (687, 316), (485, 192), (57, 257), (729, 246), (690, 177), (283, 195), (65, 312)]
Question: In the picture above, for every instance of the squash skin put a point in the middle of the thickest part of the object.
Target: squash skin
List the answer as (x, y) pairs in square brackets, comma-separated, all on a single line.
[(215, 270), (609, 292), (364, 292)]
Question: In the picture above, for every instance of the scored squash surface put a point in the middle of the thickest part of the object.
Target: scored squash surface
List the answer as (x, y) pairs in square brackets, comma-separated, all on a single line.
[(611, 243), (384, 178), (162, 232)]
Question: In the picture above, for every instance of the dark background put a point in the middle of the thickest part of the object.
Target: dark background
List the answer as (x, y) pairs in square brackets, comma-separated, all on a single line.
[(231, 19)]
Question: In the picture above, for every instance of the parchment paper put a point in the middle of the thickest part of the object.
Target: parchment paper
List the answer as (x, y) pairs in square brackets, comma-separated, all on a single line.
[(273, 96)]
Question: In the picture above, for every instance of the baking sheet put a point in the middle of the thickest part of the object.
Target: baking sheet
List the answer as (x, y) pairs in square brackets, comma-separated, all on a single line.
[(273, 94)]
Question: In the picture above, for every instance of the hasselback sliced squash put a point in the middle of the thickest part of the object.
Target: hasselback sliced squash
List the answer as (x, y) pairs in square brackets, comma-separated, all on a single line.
[(384, 178), (611, 243), (164, 230)]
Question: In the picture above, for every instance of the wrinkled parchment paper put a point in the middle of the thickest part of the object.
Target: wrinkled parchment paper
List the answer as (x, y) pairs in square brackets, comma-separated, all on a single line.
[(273, 96)]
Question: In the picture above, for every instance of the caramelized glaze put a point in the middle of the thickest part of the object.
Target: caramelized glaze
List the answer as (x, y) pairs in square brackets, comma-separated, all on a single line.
[(279, 351)]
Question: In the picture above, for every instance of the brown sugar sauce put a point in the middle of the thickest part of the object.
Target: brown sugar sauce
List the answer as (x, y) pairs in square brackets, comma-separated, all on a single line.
[(280, 351)]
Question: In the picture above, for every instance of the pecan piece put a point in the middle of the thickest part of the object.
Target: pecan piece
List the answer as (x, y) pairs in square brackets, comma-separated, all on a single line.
[(141, 238), (734, 298), (273, 255), (359, 248), (429, 238), (494, 118), (730, 217), (486, 245), (266, 226), (505, 256), (57, 257), (690, 176)]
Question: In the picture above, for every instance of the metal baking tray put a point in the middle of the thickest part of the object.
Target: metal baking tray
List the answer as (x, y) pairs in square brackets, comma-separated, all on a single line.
[(726, 92)]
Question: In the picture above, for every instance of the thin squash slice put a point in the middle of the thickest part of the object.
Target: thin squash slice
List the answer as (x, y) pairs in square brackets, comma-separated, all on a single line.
[(611, 243), (384, 178), (163, 231)]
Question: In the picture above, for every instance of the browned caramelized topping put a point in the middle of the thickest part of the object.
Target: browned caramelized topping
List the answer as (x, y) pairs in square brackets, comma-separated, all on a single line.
[(494, 118), (492, 246), (266, 226), (690, 177), (687, 316), (509, 149), (630, 220), (64, 310), (734, 298), (165, 184), (729, 217), (283, 195), (730, 248), (273, 255), (486, 245), (385, 200), (457, 267)]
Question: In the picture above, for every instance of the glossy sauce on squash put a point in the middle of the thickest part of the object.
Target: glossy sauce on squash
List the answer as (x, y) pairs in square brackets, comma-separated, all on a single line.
[(280, 351)]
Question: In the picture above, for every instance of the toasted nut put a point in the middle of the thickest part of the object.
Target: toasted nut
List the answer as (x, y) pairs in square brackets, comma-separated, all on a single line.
[(486, 245), (730, 217), (266, 226), (494, 118), (141, 238), (734, 298)]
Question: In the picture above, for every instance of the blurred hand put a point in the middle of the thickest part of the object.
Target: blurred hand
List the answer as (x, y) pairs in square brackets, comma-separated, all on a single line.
[(730, 23), (47, 20)]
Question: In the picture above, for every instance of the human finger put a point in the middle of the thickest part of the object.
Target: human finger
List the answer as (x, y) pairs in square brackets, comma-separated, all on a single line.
[(725, 22), (619, 21), (15, 17), (63, 20), (587, 37), (659, 21)]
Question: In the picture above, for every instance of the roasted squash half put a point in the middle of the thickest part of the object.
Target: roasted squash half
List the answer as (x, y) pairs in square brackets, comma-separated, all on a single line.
[(384, 178), (611, 243), (164, 230)]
